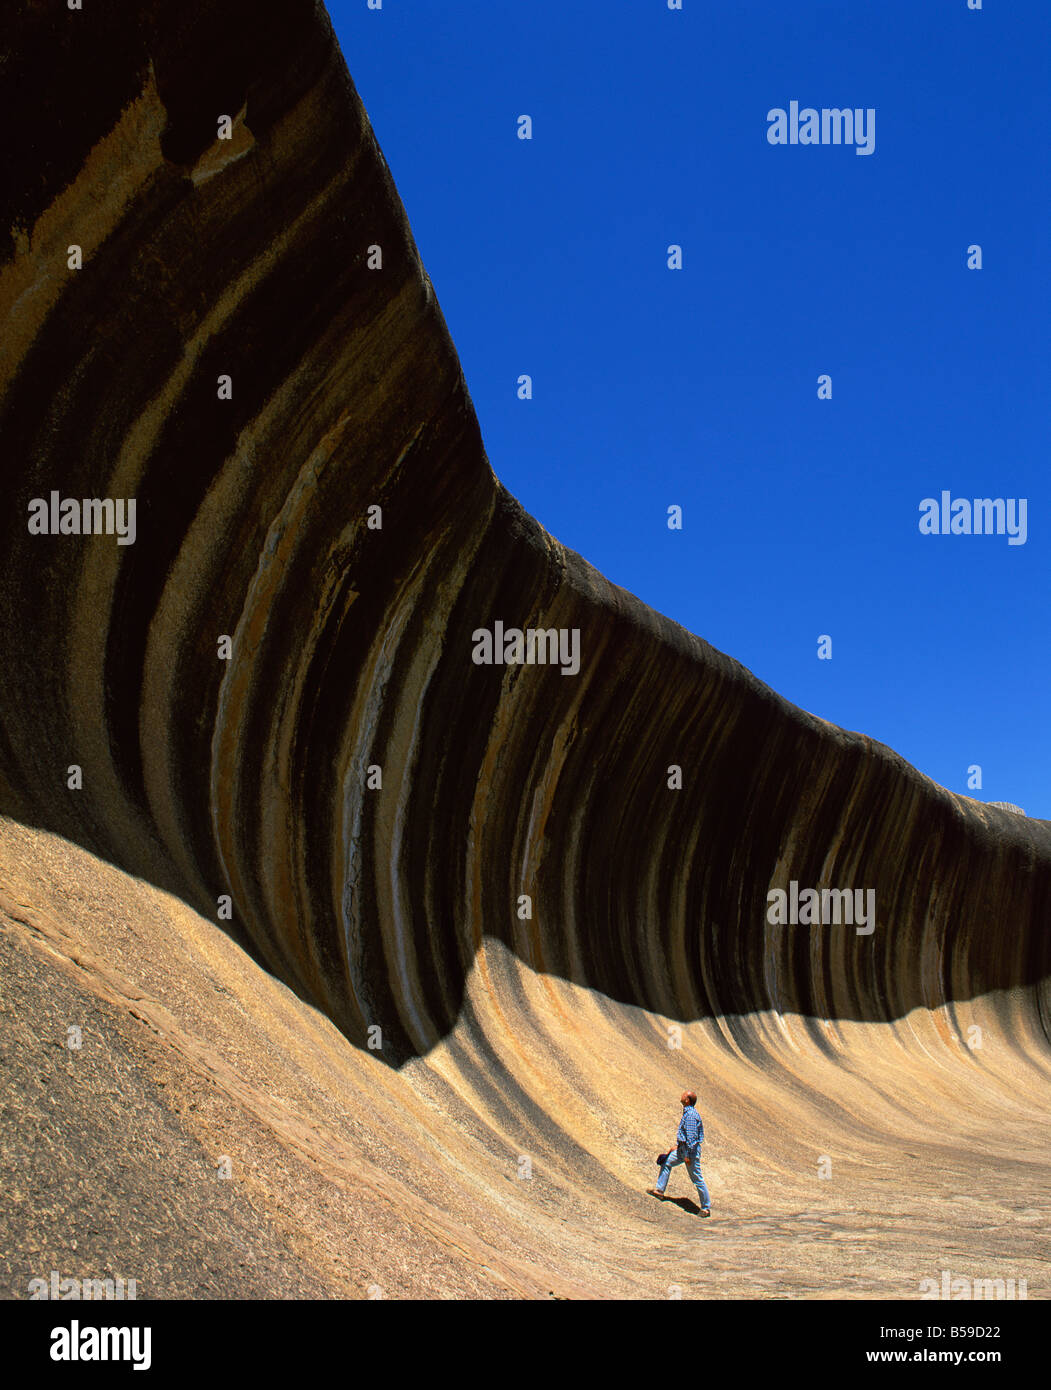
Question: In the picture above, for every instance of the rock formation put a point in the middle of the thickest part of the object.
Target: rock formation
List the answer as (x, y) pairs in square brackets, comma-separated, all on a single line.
[(252, 351)]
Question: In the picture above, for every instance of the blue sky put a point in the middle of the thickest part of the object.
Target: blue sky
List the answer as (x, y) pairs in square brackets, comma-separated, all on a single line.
[(699, 387)]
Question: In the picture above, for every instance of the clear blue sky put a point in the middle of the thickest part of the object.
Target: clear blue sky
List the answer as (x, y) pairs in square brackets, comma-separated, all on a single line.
[(699, 387)]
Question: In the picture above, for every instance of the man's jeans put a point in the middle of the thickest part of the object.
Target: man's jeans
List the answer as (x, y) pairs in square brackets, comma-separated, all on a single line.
[(693, 1167)]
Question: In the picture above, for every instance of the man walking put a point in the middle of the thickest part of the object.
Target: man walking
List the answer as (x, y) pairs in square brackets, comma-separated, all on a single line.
[(688, 1151)]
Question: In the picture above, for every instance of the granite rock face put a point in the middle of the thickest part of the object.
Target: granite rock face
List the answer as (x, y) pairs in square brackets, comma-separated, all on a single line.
[(247, 775)]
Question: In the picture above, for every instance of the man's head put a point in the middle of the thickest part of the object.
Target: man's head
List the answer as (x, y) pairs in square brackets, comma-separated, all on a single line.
[(689, 1097)]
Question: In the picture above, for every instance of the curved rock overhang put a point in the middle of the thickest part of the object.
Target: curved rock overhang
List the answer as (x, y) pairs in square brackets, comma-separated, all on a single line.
[(245, 776)]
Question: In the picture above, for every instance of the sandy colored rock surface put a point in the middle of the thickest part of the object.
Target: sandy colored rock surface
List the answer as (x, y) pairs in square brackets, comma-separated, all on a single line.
[(350, 1177)]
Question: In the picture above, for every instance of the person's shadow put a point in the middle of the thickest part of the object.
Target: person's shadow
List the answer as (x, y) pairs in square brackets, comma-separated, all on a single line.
[(685, 1203)]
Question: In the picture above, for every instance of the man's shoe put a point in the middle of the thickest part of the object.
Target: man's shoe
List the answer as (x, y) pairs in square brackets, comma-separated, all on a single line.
[(706, 1211), (652, 1191)]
